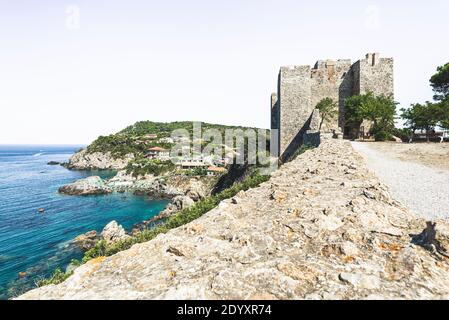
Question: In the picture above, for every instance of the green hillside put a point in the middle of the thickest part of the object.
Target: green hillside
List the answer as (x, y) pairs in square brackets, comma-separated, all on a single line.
[(132, 138)]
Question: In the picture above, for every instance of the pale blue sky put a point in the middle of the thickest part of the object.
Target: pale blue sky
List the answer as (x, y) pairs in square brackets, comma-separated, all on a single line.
[(70, 71)]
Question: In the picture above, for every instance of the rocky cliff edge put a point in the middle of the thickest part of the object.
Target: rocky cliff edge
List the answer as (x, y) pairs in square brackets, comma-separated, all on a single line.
[(82, 160), (322, 227)]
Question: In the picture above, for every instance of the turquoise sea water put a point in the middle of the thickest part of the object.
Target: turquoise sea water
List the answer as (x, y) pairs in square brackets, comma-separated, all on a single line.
[(37, 243)]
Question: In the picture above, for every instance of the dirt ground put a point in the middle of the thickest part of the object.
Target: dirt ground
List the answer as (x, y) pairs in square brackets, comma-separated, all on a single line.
[(434, 155)]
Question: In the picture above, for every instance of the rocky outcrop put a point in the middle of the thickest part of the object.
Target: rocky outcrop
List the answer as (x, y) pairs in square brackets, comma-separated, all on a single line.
[(142, 185), (165, 187), (89, 186), (183, 191), (196, 191), (83, 160), (323, 227), (113, 232), (195, 188), (178, 203), (87, 240), (186, 194)]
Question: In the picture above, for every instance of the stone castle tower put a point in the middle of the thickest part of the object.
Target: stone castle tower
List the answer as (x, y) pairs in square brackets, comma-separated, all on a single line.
[(300, 88)]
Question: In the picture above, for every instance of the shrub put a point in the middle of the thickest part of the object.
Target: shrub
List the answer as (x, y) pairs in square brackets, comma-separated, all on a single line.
[(382, 136), (379, 110), (196, 172), (57, 277), (98, 251), (76, 262), (143, 166), (403, 134), (118, 145)]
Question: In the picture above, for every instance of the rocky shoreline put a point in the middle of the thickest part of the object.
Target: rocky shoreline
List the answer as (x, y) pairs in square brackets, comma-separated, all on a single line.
[(323, 227), (182, 191), (89, 186)]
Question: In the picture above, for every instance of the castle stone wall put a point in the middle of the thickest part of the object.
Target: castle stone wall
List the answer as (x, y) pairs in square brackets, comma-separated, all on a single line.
[(376, 75), (330, 79), (300, 88), (294, 105)]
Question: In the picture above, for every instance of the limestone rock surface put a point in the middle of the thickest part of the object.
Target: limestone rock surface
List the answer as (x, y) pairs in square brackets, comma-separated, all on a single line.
[(83, 160), (113, 232), (87, 240), (88, 186)]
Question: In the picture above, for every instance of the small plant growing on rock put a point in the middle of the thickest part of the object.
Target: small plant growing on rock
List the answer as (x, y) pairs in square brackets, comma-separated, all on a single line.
[(57, 277)]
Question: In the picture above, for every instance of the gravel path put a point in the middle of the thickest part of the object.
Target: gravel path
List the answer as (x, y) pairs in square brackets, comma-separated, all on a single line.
[(422, 189)]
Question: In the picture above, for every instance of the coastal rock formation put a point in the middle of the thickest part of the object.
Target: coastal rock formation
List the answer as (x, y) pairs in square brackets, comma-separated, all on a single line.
[(142, 185), (184, 191), (113, 232), (323, 227), (196, 191), (170, 186), (123, 181), (166, 186), (182, 202), (154, 187), (177, 204), (87, 240), (89, 186), (83, 160)]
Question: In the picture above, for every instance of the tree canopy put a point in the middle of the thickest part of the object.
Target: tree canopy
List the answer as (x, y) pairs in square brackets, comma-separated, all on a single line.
[(381, 110), (429, 115), (328, 110), (440, 83), (421, 116)]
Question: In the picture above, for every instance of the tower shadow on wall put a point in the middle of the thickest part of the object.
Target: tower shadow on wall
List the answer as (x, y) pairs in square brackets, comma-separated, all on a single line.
[(297, 142), (345, 90)]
